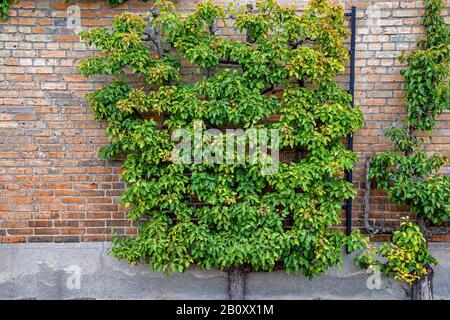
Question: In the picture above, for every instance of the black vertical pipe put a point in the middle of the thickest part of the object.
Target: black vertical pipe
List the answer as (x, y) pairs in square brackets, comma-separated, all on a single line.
[(352, 92), (249, 7)]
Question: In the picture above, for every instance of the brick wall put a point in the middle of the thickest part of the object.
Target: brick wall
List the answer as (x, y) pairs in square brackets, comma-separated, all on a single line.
[(53, 186)]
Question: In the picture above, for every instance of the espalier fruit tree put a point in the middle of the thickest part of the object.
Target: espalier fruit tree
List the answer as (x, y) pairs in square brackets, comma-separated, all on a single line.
[(4, 8), (409, 175), (231, 216)]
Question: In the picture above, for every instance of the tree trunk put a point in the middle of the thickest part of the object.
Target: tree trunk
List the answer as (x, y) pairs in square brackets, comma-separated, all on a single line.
[(422, 289), (236, 282)]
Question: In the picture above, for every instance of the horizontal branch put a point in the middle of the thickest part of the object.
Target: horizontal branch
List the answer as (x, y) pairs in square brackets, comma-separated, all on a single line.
[(228, 61), (267, 90), (137, 113)]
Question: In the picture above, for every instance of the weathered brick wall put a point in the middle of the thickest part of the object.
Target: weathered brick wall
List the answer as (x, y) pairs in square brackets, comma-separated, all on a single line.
[(53, 186)]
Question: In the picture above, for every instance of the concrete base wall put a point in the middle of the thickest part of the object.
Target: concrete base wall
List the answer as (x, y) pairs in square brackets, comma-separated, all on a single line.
[(84, 271)]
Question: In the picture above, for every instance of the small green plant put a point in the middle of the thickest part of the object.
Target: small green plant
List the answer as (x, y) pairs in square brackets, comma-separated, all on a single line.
[(408, 175), (427, 75)]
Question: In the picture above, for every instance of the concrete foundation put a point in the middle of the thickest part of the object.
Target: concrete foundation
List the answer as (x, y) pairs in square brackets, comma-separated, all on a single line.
[(84, 271)]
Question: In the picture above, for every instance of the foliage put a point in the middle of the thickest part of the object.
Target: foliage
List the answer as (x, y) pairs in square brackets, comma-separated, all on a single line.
[(4, 8), (409, 180), (244, 217), (428, 72), (405, 257), (408, 175)]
